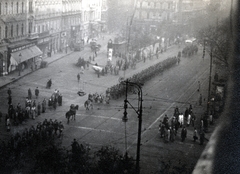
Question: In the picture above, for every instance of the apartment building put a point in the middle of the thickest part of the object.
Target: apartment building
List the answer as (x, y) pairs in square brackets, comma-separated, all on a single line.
[(31, 30), (18, 49)]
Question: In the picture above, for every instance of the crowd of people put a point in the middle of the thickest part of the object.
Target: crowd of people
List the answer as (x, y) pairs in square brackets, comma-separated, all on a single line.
[(33, 108), (168, 128), (189, 50), (30, 138)]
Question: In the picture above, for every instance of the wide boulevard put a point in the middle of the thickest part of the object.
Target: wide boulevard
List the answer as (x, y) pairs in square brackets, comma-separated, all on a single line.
[(103, 125)]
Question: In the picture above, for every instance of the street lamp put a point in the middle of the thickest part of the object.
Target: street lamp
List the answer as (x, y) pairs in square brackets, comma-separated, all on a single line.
[(19, 64), (139, 113)]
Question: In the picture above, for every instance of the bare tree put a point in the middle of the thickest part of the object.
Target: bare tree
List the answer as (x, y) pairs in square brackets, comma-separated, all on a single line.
[(217, 40)]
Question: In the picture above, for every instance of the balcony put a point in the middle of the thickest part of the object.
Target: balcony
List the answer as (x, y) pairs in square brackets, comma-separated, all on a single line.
[(32, 36)]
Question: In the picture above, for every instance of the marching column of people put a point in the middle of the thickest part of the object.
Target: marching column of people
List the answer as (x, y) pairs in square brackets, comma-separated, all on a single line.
[(169, 128), (33, 107)]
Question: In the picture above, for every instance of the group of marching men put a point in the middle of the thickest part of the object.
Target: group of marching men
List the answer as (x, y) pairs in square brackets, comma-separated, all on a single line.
[(168, 128)]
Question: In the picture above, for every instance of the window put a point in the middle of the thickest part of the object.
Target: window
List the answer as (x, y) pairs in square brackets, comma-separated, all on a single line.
[(30, 27), (43, 28), (30, 7), (11, 30), (6, 8), (22, 29), (6, 29), (17, 29), (17, 7), (0, 8), (12, 7), (22, 7), (39, 29), (0, 32)]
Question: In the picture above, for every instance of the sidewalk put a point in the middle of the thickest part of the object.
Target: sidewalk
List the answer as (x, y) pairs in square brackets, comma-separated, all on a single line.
[(14, 76)]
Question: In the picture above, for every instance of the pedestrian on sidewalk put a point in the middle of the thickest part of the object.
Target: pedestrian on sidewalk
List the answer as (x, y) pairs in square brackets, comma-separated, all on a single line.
[(9, 92), (78, 77), (29, 94), (36, 92)]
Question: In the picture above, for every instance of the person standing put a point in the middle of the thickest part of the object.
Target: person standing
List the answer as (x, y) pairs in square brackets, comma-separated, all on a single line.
[(36, 92), (9, 100), (183, 133), (195, 137), (29, 94), (78, 77), (60, 127), (44, 105), (9, 92), (39, 108)]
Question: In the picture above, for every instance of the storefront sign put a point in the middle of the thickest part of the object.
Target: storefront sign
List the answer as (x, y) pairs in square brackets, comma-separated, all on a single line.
[(44, 40), (21, 47)]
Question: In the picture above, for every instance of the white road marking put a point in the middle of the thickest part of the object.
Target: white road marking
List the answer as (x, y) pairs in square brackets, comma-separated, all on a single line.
[(93, 129), (99, 116)]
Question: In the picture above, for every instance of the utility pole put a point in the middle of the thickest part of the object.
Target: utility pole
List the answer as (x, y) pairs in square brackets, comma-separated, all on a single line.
[(139, 113), (209, 83)]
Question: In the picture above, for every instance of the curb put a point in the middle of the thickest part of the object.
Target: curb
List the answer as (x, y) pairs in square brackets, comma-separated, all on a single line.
[(16, 79)]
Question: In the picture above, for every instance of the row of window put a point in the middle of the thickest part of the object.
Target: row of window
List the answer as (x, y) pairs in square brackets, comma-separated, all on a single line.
[(9, 8), (157, 5), (9, 31)]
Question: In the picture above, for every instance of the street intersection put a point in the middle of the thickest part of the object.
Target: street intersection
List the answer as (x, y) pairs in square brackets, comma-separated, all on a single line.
[(103, 125)]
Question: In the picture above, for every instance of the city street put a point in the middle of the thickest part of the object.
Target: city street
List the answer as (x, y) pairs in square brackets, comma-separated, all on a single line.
[(103, 125)]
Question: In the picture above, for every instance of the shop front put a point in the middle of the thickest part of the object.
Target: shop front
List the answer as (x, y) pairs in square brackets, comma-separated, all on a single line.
[(54, 44), (43, 43), (23, 57), (3, 60)]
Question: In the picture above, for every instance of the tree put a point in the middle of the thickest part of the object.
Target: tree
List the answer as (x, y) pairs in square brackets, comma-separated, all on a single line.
[(217, 40), (109, 161), (52, 160)]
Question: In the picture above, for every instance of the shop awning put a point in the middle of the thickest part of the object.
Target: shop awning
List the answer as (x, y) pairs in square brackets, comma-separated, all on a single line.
[(28, 53)]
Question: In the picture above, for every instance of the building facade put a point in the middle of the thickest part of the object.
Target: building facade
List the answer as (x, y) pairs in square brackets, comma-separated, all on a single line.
[(47, 17), (91, 16), (44, 27), (150, 14), (18, 47)]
